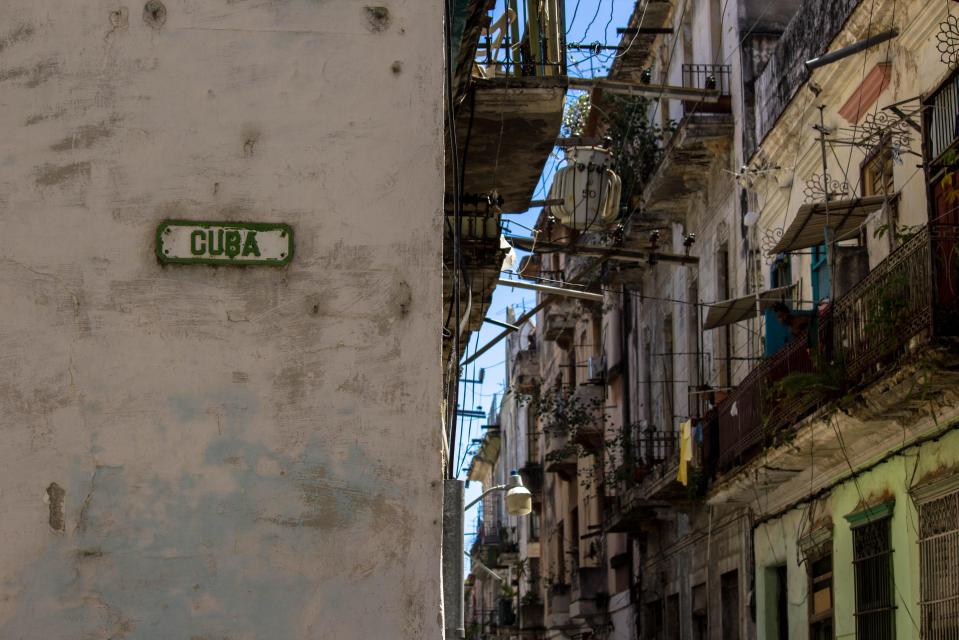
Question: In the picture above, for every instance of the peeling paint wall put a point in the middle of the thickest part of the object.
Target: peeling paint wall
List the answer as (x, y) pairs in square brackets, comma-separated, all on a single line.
[(202, 452)]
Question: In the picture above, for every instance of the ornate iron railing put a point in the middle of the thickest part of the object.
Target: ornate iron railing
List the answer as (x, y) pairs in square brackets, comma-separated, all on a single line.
[(914, 293), (755, 410), (887, 308)]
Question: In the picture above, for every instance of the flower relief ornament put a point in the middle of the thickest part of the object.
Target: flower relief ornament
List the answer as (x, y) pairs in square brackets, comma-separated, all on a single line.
[(815, 188), (948, 38)]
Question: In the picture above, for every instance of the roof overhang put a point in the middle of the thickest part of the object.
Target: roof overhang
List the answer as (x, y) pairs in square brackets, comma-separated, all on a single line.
[(735, 310), (843, 218)]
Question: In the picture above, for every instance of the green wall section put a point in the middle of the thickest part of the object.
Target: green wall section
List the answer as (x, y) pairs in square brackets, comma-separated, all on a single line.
[(776, 543)]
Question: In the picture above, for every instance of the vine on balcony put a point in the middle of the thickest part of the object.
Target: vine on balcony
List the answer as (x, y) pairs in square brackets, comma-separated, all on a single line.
[(637, 143)]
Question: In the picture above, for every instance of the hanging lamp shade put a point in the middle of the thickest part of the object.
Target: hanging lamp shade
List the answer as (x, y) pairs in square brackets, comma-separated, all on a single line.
[(589, 188)]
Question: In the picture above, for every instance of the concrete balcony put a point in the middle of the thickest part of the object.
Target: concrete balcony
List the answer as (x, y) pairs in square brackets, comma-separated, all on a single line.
[(558, 600), (559, 320), (525, 376), (561, 454), (587, 592), (686, 167), (591, 398)]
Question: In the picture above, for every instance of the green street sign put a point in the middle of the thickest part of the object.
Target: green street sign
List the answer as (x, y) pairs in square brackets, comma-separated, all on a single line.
[(224, 243)]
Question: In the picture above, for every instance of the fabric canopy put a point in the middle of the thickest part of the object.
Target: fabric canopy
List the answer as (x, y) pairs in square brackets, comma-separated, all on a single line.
[(842, 217), (730, 311)]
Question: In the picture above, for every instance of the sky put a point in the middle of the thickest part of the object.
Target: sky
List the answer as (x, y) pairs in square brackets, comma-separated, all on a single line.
[(588, 21)]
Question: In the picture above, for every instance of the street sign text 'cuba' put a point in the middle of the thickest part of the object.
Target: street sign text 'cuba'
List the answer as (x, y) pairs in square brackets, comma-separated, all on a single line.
[(224, 243)]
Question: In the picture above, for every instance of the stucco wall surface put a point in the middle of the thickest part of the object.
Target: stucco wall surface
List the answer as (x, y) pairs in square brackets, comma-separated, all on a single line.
[(230, 453)]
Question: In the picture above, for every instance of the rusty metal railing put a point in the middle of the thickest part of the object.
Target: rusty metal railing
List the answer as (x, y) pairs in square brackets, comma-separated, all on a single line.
[(913, 294)]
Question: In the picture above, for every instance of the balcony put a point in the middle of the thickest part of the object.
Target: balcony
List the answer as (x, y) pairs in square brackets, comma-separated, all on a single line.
[(510, 86), (712, 77), (559, 319), (586, 593), (808, 35), (525, 375), (590, 400), (908, 301), (561, 454), (531, 616), (703, 136)]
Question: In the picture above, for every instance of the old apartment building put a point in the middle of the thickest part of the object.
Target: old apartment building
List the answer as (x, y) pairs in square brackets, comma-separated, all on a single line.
[(750, 429)]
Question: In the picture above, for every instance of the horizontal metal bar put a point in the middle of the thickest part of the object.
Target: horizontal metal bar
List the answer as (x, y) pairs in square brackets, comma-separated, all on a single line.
[(631, 31), (649, 90), (852, 49), (549, 202), (556, 291), (505, 325), (578, 141), (610, 253)]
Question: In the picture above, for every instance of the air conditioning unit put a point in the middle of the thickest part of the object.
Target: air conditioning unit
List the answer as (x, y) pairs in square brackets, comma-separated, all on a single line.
[(596, 369), (589, 189)]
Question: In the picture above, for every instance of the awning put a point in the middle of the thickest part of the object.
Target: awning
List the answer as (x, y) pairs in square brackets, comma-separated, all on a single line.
[(737, 309), (843, 217)]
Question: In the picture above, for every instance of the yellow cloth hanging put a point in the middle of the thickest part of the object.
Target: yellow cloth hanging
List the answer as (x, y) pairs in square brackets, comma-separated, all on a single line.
[(685, 451)]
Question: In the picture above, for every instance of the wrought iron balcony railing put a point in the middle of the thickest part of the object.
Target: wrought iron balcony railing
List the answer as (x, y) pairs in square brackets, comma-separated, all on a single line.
[(912, 295), (713, 77)]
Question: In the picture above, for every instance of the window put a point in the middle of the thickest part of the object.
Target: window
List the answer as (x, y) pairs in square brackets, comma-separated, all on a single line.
[(560, 553), (723, 292), (533, 523), (653, 620), (780, 273), (939, 566), (872, 566), (672, 617), (877, 172), (820, 595), (729, 597), (781, 595), (700, 615), (669, 383)]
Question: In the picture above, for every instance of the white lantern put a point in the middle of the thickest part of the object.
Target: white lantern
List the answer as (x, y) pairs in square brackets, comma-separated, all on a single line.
[(589, 189)]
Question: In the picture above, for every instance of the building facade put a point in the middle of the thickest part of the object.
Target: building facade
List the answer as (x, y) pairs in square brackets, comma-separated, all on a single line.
[(212, 450), (753, 435)]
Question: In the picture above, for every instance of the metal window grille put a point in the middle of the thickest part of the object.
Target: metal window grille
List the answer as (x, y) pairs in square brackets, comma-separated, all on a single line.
[(939, 567), (872, 565), (942, 124)]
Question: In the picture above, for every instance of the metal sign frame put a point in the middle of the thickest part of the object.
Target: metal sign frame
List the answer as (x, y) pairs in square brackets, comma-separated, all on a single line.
[(165, 227)]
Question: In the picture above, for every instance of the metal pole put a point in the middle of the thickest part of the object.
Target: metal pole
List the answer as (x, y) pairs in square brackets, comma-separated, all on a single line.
[(558, 291), (855, 47), (830, 252), (454, 626)]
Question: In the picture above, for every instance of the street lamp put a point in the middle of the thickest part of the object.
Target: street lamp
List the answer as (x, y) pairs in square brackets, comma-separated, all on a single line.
[(519, 502)]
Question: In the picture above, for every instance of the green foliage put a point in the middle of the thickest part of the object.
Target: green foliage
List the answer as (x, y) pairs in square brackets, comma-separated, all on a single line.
[(826, 379), (576, 115), (637, 143), (902, 232), (562, 412)]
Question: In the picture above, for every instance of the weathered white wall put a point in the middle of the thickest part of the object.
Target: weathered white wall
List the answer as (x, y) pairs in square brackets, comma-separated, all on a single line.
[(243, 453)]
